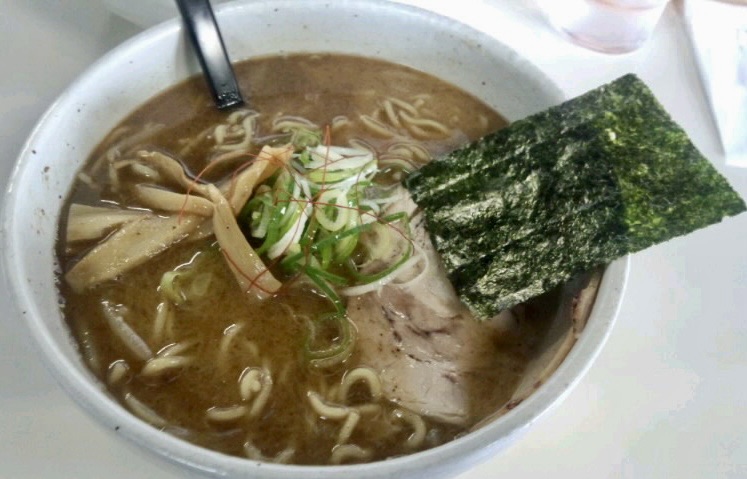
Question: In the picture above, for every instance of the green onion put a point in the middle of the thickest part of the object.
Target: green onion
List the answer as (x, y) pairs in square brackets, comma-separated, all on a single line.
[(169, 287), (188, 281), (339, 351), (407, 254), (325, 287), (312, 216), (303, 137)]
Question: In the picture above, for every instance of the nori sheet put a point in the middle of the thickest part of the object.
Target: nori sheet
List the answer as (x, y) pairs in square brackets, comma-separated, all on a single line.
[(576, 186)]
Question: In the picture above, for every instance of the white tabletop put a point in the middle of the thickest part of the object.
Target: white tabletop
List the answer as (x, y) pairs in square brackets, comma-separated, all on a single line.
[(667, 397)]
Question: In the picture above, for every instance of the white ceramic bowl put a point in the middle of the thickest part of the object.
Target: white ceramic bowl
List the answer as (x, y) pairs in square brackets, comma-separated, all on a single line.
[(158, 58)]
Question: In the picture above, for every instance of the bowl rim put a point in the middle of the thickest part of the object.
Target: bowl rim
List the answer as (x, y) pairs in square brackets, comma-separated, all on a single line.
[(449, 458)]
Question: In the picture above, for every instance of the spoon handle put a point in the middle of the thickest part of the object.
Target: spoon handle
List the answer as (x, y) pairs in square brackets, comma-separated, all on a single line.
[(206, 39)]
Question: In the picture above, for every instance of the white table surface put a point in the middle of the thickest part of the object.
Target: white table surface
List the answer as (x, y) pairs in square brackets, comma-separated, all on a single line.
[(667, 396)]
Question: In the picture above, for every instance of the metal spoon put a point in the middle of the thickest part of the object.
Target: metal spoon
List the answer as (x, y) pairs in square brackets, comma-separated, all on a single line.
[(207, 41)]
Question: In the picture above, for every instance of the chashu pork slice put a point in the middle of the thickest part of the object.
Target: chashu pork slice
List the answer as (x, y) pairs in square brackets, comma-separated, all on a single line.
[(433, 357)]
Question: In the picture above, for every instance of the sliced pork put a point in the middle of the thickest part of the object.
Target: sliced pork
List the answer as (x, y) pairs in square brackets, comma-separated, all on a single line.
[(428, 349)]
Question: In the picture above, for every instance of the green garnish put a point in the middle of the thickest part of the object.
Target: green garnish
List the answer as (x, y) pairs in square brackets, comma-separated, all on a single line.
[(310, 217), (338, 350), (188, 281), (597, 177)]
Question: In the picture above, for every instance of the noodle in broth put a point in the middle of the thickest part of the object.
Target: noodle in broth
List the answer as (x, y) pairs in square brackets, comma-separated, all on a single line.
[(175, 339)]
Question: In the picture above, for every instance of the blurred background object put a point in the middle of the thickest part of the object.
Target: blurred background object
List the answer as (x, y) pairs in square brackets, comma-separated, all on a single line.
[(607, 26), (718, 33)]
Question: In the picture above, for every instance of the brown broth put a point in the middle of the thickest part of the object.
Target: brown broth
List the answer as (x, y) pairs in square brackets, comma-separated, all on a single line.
[(319, 88)]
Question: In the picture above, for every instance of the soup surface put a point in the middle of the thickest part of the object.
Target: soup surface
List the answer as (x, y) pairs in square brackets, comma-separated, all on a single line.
[(179, 343)]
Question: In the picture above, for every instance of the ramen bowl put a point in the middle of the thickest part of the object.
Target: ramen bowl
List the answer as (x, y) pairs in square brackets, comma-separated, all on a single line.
[(158, 59)]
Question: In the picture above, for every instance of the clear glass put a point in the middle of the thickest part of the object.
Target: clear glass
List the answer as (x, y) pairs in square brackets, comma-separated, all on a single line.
[(608, 26)]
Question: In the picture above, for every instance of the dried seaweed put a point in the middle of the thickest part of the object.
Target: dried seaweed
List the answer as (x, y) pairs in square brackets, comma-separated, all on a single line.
[(576, 186)]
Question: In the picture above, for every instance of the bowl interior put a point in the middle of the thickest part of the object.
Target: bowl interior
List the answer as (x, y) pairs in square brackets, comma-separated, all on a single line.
[(160, 57)]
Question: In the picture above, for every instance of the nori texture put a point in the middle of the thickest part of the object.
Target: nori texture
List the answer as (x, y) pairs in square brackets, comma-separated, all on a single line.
[(576, 186)]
